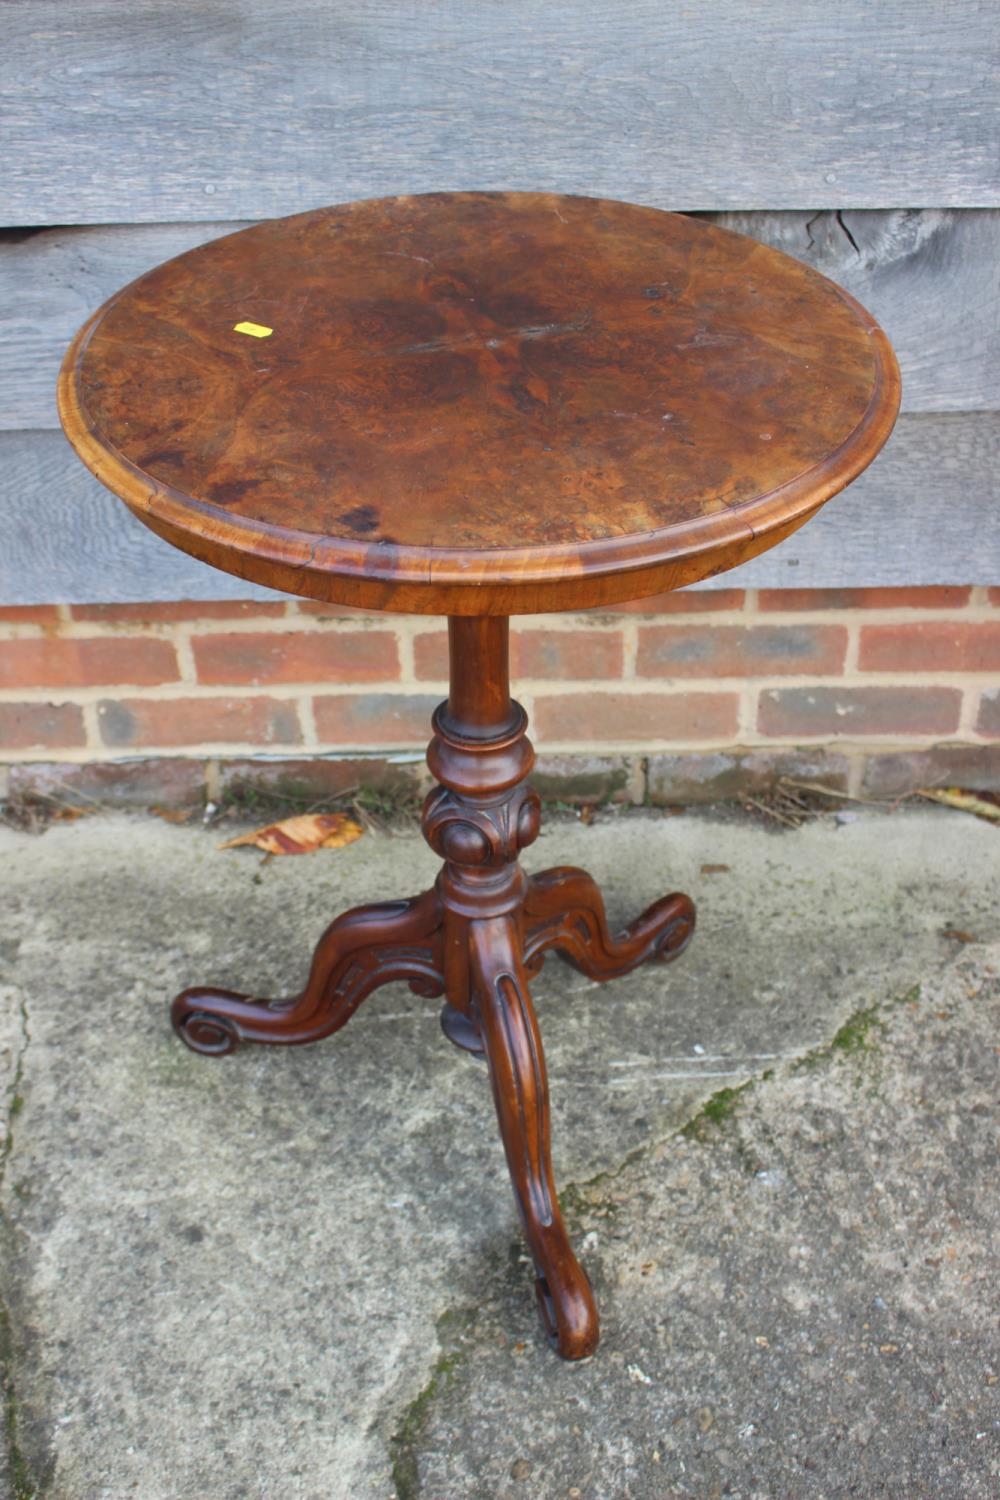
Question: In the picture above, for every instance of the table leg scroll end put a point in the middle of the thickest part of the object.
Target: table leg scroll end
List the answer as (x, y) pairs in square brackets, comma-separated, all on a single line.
[(568, 1315), (211, 1035), (513, 1045), (564, 912), (363, 949)]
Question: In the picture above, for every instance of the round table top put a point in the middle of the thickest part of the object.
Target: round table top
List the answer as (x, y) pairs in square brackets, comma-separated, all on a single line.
[(478, 403)]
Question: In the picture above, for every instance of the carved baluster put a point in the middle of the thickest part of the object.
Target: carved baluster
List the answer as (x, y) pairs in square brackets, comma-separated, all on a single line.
[(481, 814)]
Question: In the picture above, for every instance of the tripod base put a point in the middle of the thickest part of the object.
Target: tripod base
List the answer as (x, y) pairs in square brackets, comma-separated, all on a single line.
[(476, 938)]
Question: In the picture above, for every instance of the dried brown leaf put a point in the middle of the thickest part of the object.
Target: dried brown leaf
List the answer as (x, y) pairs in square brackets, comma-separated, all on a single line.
[(175, 814), (301, 835), (982, 804)]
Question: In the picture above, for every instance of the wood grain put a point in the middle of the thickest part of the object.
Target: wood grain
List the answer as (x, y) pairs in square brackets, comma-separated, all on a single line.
[(479, 403), (65, 538), (147, 112), (931, 278)]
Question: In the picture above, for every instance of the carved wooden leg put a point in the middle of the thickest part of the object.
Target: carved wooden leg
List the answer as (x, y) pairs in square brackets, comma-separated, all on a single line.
[(359, 951), (517, 1071), (564, 910)]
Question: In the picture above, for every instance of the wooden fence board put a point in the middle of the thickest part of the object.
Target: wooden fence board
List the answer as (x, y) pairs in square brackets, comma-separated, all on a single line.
[(151, 112), (930, 276)]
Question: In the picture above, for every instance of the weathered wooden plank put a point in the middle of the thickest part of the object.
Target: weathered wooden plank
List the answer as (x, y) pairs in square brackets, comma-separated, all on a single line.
[(151, 112), (924, 513), (50, 283), (64, 538), (931, 276)]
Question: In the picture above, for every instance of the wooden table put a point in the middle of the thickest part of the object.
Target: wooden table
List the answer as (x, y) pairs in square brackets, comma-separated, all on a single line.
[(477, 405)]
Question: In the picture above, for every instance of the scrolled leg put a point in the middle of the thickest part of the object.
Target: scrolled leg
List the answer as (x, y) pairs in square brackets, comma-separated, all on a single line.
[(520, 1090), (564, 911), (358, 952)]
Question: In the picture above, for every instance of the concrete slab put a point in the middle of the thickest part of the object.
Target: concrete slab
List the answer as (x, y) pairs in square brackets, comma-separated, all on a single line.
[(801, 1288), (297, 1274)]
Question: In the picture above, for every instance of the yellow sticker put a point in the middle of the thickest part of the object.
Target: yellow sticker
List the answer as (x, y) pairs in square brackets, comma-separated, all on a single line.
[(255, 330)]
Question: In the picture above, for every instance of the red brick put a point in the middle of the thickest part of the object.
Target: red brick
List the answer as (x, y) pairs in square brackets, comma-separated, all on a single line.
[(680, 602), (128, 722), (430, 656), (891, 773), (993, 596), (377, 720), (741, 651), (899, 598), (43, 726), (567, 653), (161, 781), (157, 612), (847, 712), (931, 646), (320, 777), (304, 656), (690, 776), (623, 718), (988, 721), (579, 777), (29, 614), (54, 662)]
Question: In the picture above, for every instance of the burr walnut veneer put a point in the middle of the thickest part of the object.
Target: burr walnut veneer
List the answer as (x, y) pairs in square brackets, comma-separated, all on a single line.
[(477, 405)]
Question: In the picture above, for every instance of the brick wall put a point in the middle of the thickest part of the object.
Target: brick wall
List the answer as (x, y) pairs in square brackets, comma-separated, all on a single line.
[(686, 695)]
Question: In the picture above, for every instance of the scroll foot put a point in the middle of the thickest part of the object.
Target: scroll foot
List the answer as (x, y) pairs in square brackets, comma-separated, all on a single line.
[(361, 950)]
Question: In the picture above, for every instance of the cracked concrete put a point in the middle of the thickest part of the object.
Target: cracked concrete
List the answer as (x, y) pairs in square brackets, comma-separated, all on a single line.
[(297, 1273)]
